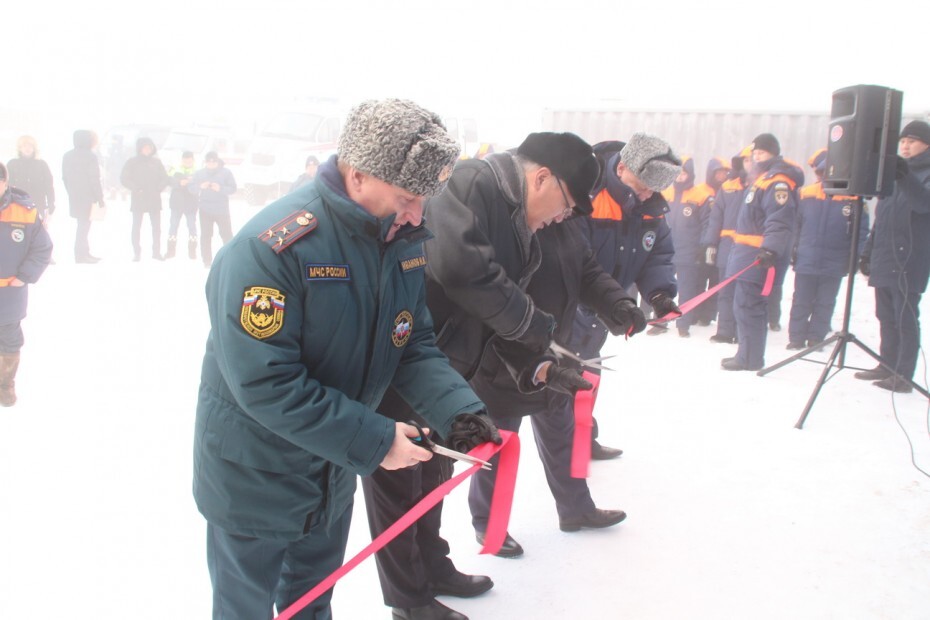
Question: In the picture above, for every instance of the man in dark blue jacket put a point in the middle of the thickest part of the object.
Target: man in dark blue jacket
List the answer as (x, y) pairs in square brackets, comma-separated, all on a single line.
[(630, 237), (764, 231), (316, 307), (897, 260), (820, 257), (718, 239), (25, 252), (213, 185)]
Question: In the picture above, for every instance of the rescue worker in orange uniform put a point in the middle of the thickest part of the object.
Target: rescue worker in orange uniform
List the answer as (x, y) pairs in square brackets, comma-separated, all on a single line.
[(718, 239), (25, 252), (764, 232)]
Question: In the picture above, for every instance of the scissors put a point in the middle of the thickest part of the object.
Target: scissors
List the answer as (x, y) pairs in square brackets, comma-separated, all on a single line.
[(431, 445), (590, 363)]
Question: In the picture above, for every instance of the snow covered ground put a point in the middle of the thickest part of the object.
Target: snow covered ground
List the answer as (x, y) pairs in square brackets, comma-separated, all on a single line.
[(733, 513)]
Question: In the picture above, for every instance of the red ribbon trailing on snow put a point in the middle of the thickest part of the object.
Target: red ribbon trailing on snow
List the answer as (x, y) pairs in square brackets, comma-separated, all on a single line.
[(584, 424), (697, 300), (497, 520)]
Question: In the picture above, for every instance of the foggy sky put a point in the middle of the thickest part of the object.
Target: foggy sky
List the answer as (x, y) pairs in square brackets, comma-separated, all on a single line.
[(94, 63)]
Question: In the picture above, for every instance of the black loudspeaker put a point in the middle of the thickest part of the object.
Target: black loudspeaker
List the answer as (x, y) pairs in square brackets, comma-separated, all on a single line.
[(863, 140)]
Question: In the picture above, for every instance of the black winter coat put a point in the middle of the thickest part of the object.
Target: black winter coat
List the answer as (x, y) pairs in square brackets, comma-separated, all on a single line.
[(34, 177), (480, 260), (80, 172), (900, 240), (145, 178), (569, 274)]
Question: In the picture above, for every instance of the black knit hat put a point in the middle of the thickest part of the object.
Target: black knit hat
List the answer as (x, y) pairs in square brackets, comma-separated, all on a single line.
[(918, 130), (569, 158), (768, 143)]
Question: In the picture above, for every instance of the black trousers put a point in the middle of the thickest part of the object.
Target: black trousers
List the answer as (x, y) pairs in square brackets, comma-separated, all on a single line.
[(155, 221), (419, 555), (554, 431), (899, 319), (81, 242)]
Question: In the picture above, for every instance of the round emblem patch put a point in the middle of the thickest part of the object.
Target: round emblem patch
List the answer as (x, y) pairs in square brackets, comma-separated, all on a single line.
[(836, 133), (17, 234), (847, 209), (403, 325), (649, 240), (686, 211), (750, 195), (781, 197)]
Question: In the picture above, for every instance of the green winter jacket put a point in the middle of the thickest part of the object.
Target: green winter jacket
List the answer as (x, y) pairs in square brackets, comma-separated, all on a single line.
[(312, 317)]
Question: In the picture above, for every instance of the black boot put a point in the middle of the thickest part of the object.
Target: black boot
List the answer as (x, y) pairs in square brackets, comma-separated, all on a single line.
[(875, 374), (434, 611), (172, 247)]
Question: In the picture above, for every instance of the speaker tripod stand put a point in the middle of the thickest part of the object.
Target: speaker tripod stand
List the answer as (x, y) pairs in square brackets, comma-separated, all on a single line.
[(843, 336)]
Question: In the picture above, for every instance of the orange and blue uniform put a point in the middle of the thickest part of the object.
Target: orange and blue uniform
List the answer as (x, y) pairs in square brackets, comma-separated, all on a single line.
[(25, 252), (765, 222)]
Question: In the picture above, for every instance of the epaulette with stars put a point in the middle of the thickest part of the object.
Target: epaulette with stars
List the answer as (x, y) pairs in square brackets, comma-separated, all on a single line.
[(289, 230)]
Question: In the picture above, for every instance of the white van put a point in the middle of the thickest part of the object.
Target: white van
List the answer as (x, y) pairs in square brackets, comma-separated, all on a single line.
[(200, 141), (279, 151)]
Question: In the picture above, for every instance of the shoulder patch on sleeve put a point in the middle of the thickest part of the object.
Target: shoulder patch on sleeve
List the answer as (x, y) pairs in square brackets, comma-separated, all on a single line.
[(262, 313), (285, 232)]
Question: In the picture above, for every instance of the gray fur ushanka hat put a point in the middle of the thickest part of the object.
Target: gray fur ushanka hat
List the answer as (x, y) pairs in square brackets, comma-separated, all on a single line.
[(652, 160), (399, 142)]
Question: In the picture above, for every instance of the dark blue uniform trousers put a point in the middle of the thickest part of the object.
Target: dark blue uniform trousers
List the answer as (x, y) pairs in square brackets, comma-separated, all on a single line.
[(751, 311), (419, 555), (250, 574), (726, 322), (553, 428), (812, 306), (11, 338), (692, 281), (778, 288), (899, 319)]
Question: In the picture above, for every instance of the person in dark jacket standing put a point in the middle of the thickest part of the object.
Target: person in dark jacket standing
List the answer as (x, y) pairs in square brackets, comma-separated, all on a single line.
[(25, 252), (630, 237), (820, 257), (80, 172), (316, 307), (311, 167), (145, 177), (181, 203), (213, 185), (477, 267), (32, 175), (897, 260), (718, 239), (764, 232)]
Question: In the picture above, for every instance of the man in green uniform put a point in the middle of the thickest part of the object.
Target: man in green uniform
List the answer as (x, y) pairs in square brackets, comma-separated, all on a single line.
[(316, 307)]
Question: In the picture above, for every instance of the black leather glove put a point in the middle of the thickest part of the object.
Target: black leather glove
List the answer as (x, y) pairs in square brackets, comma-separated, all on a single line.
[(663, 304), (710, 255), (538, 336), (472, 429), (865, 264), (901, 168), (566, 380), (766, 258), (627, 318)]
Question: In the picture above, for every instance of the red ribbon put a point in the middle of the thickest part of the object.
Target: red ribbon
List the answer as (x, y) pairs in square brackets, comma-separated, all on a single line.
[(697, 300), (497, 520), (584, 424)]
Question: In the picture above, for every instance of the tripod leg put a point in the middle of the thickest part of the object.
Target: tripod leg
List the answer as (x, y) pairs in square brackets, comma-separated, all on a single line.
[(799, 355), (840, 345)]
